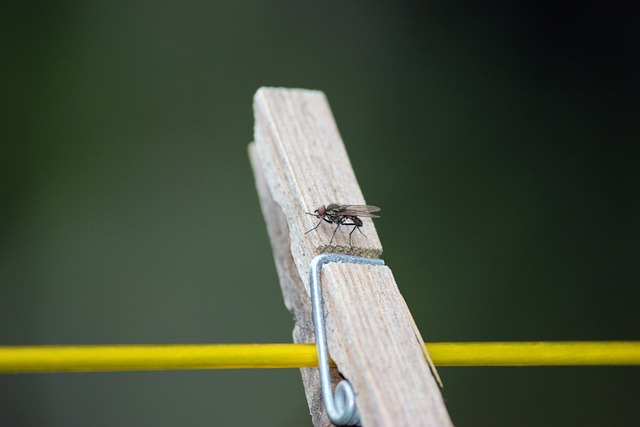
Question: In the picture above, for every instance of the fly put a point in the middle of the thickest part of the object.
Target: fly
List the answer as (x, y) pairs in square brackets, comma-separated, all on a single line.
[(348, 215)]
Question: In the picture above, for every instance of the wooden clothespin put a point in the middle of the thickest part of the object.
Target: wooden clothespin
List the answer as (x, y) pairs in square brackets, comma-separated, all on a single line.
[(300, 163)]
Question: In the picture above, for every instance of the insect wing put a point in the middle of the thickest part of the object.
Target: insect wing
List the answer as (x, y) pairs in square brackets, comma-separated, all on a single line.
[(364, 211)]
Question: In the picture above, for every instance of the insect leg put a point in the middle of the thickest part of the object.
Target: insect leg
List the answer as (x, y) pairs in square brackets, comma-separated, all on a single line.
[(354, 229), (317, 225), (334, 233)]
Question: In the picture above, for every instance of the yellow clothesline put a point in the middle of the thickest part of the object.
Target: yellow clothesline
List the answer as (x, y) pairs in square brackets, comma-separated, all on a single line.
[(239, 356)]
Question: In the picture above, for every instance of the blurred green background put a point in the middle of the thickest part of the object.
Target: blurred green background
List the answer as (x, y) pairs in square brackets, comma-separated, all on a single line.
[(500, 139)]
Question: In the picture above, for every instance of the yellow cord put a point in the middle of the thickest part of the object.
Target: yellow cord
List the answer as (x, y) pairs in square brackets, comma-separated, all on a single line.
[(566, 353), (238, 356)]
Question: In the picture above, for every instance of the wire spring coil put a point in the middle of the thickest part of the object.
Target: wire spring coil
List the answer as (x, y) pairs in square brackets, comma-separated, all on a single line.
[(340, 407)]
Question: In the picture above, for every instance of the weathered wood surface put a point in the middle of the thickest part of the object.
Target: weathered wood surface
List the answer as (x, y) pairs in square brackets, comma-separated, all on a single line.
[(300, 163)]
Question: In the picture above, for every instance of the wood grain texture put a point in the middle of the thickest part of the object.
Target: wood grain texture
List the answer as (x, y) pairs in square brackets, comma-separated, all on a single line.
[(390, 368), (300, 163), (306, 166), (296, 298)]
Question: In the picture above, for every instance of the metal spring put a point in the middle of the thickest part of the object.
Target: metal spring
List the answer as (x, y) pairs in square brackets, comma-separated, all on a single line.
[(340, 407)]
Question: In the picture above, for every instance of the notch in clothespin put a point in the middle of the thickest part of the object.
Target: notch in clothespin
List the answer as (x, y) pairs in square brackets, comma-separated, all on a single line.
[(300, 163)]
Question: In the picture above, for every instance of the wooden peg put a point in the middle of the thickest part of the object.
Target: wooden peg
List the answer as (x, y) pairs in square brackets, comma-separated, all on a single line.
[(300, 163)]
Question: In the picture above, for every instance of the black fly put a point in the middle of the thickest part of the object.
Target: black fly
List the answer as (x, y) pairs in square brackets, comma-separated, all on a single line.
[(348, 215)]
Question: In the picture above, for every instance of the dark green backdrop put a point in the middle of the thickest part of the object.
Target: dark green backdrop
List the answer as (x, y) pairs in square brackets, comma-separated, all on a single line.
[(501, 142)]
